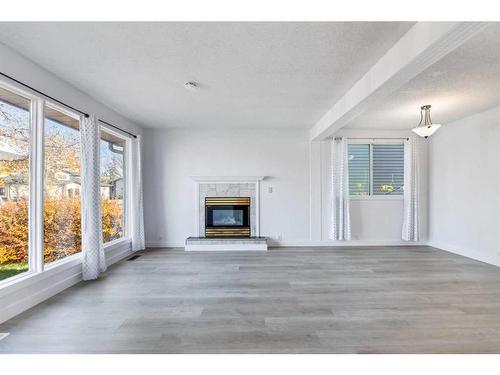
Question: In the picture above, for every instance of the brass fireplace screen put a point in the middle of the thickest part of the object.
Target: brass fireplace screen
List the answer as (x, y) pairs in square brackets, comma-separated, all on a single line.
[(227, 217)]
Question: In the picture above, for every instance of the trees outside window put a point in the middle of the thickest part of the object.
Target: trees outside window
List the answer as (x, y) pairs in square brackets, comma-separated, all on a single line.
[(34, 132), (62, 218), (113, 186), (15, 137)]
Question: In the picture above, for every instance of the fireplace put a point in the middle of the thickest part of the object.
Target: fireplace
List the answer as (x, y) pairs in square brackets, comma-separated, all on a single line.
[(227, 217)]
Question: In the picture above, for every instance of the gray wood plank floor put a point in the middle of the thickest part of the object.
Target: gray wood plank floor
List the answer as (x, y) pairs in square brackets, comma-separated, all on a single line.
[(288, 300)]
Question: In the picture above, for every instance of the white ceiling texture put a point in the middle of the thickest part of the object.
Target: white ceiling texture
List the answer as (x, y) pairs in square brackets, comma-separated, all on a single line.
[(465, 81), (254, 75), (250, 75)]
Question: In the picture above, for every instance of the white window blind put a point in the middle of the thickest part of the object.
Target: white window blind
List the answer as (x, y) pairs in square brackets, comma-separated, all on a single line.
[(359, 169), (388, 169), (376, 169)]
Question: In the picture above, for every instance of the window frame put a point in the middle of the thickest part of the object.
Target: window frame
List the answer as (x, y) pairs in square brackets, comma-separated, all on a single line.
[(38, 270), (370, 142), (57, 107), (127, 237), (36, 264), (33, 256)]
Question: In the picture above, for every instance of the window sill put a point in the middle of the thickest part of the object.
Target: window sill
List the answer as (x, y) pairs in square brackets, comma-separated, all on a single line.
[(112, 245), (61, 262), (377, 198), (22, 281), (15, 279), (17, 282)]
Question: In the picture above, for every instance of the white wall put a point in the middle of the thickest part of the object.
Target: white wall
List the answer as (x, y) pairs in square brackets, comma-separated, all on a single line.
[(374, 220), (27, 71), (465, 187), (172, 156), (299, 173)]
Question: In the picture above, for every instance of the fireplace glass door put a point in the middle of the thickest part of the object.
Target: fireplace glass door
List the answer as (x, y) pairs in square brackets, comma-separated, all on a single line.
[(227, 216), (230, 216)]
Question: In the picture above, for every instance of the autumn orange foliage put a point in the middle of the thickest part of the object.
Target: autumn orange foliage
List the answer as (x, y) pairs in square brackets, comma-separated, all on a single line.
[(62, 227), (14, 231)]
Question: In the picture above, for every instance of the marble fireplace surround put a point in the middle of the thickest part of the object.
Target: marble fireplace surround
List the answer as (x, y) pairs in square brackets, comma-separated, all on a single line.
[(226, 186)]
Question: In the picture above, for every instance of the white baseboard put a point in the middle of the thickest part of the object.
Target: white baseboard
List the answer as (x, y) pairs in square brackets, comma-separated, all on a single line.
[(38, 295), (119, 253), (164, 244), (462, 252), (308, 243), (352, 243), (35, 289)]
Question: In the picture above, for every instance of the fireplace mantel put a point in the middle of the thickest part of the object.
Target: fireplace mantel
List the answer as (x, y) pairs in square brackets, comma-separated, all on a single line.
[(227, 178), (241, 180)]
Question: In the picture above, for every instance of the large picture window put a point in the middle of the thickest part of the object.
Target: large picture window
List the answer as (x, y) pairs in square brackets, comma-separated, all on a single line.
[(15, 114), (62, 215), (113, 185), (376, 169), (40, 184)]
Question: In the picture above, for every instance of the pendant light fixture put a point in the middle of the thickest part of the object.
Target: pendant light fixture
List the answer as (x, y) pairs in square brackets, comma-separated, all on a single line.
[(427, 128)]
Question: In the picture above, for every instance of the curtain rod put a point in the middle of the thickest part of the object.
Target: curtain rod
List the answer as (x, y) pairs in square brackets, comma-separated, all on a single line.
[(62, 103), (116, 127), (401, 138)]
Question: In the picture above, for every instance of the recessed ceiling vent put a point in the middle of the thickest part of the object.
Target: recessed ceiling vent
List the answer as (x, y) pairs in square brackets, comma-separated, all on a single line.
[(191, 86)]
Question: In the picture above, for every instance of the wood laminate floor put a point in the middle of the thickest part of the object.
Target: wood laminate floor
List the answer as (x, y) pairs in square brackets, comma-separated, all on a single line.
[(288, 300)]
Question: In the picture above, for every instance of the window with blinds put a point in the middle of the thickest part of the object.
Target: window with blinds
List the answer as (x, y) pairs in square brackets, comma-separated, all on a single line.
[(359, 169), (376, 169)]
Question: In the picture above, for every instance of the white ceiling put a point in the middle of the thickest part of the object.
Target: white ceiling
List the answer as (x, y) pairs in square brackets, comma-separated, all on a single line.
[(252, 75), (464, 82)]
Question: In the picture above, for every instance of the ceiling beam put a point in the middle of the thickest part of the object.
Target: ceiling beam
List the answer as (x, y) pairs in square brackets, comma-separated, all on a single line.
[(423, 45)]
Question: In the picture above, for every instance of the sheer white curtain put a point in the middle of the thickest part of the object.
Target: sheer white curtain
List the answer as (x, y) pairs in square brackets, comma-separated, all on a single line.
[(341, 222), (410, 231), (137, 210), (94, 261)]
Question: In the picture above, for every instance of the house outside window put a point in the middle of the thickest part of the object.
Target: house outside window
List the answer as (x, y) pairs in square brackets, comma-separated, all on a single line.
[(62, 206), (15, 141), (113, 166)]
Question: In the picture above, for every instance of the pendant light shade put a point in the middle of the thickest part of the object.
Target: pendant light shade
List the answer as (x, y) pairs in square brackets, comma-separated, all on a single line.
[(427, 128)]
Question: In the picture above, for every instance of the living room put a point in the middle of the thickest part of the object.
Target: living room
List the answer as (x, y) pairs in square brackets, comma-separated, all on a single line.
[(249, 187)]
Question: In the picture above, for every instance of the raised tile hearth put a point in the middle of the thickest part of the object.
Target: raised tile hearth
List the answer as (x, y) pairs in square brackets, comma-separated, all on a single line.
[(226, 244)]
